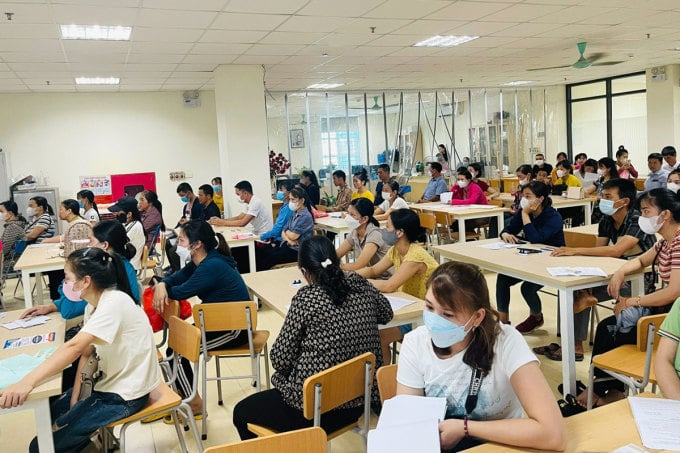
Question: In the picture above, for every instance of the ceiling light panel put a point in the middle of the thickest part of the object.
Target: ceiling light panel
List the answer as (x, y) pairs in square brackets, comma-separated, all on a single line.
[(96, 32), (445, 41), (324, 86), (97, 80)]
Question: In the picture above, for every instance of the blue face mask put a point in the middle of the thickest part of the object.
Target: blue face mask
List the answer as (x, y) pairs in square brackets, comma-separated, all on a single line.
[(80, 203), (444, 333), (184, 199), (217, 189), (280, 196), (389, 237), (607, 207)]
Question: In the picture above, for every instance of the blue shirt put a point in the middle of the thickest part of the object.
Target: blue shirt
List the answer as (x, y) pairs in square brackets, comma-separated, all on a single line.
[(436, 186), (656, 180), (301, 223), (215, 279), (281, 220), (546, 229)]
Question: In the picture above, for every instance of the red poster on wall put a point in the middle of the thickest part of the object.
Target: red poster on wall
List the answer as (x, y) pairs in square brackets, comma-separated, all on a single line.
[(130, 184)]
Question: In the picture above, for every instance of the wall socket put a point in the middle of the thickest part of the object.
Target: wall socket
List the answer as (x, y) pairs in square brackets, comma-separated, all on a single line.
[(177, 176)]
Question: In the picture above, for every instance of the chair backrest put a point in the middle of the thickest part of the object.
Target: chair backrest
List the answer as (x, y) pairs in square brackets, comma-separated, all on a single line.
[(427, 221), (184, 339), (643, 330), (170, 310), (20, 246), (226, 315), (576, 239), (498, 203), (321, 208), (340, 384), (308, 440), (387, 381)]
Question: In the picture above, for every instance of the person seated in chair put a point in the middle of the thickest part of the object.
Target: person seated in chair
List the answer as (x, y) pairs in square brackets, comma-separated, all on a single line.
[(331, 320), (13, 232), (205, 197), (436, 186)]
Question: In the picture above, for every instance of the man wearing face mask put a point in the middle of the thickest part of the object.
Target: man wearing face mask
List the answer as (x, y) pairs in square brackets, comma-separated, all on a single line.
[(541, 164), (254, 213), (619, 236), (193, 209), (218, 198)]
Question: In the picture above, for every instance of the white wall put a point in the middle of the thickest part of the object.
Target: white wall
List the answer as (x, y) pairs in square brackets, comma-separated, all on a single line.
[(64, 136)]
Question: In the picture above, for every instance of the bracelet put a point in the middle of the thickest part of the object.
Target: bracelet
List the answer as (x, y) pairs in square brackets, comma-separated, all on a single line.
[(465, 426), (638, 301)]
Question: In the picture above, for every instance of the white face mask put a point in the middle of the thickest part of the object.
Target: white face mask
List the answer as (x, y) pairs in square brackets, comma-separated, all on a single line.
[(386, 196), (183, 253), (30, 212), (462, 184), (560, 173), (524, 203), (293, 205), (672, 186), (524, 181), (3, 216), (352, 223), (600, 172), (649, 224), (539, 162), (473, 173)]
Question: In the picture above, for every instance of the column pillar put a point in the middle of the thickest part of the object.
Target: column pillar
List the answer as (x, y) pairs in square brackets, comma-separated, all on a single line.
[(663, 109), (242, 132)]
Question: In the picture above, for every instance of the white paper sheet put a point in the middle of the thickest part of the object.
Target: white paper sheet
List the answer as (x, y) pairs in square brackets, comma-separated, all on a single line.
[(26, 322), (409, 409), (576, 271), (398, 302), (658, 421), (417, 437), (500, 245), (445, 197)]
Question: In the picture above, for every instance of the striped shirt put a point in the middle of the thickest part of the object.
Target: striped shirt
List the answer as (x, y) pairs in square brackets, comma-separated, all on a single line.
[(669, 257)]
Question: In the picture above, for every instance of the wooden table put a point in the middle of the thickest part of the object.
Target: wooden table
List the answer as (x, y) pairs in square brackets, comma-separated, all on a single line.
[(274, 289), (461, 213), (38, 400), (599, 430), (36, 259), (532, 268), (333, 224), (559, 202), (230, 234)]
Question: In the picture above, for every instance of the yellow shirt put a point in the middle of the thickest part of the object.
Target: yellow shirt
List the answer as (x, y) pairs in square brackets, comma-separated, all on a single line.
[(416, 285), (219, 201), (368, 194), (570, 181)]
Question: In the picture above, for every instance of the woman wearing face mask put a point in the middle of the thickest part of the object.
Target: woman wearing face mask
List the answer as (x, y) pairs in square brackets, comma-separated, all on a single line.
[(151, 215), (40, 223), (624, 166), (118, 333), (13, 232), (673, 183), (412, 266), (218, 198), (365, 237), (299, 227), (88, 205), (606, 169), (475, 170), (539, 223), (212, 276), (128, 215), (462, 339), (332, 319), (390, 193), (524, 177), (465, 191)]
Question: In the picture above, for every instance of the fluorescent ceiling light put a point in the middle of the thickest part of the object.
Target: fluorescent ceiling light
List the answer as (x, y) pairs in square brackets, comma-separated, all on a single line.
[(97, 32), (324, 86), (97, 80), (445, 41), (518, 82)]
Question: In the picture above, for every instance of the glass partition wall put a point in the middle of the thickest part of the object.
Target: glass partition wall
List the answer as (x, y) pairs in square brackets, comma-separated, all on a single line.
[(500, 128)]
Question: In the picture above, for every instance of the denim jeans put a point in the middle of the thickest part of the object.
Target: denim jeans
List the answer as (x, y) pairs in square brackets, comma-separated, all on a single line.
[(529, 291), (73, 426)]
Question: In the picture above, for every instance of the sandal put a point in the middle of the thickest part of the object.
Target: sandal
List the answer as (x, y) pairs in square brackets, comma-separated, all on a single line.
[(580, 388), (569, 406), (168, 419), (557, 355), (543, 350)]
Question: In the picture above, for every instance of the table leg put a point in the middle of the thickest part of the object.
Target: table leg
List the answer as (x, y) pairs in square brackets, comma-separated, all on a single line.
[(501, 222), (461, 230), (637, 285), (26, 282), (567, 331), (38, 288), (43, 425), (588, 208), (251, 256)]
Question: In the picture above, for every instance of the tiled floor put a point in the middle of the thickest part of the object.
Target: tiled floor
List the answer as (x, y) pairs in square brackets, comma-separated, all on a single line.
[(16, 430)]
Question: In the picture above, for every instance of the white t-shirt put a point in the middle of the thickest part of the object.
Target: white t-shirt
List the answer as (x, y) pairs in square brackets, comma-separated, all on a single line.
[(262, 217), (91, 215), (126, 349), (135, 232), (399, 203), (419, 367), (670, 168)]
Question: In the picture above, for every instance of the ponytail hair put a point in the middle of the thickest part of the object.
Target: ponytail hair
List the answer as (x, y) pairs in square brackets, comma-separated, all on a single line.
[(362, 175), (114, 233), (106, 271), (365, 209), (89, 196), (42, 202), (200, 230), (317, 256)]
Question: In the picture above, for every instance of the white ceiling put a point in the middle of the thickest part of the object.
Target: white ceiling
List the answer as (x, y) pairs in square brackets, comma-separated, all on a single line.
[(176, 44)]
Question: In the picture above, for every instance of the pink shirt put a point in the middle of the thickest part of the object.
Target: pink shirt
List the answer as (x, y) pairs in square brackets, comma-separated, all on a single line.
[(472, 194)]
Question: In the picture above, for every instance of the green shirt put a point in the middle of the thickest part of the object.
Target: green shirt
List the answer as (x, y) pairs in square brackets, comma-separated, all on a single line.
[(670, 329)]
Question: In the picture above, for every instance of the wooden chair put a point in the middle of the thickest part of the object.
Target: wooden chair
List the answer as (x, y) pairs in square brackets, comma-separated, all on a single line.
[(214, 317), (630, 363), (334, 387), (444, 233), (387, 381), (429, 223), (185, 340), (308, 440), (170, 310), (147, 263), (485, 226)]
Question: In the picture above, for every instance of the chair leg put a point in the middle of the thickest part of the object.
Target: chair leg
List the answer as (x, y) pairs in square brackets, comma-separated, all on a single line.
[(258, 376), (175, 418), (204, 426), (266, 366), (194, 428), (591, 382), (219, 381)]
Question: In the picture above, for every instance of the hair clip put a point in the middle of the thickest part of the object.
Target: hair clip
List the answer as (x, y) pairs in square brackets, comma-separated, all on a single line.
[(326, 263)]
